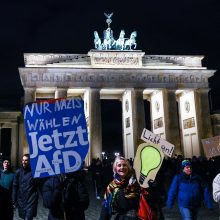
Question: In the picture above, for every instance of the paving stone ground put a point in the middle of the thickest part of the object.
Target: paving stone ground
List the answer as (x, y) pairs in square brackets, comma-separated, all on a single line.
[(95, 205)]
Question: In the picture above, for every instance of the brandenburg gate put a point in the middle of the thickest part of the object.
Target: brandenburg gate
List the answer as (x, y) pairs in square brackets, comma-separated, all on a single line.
[(176, 86)]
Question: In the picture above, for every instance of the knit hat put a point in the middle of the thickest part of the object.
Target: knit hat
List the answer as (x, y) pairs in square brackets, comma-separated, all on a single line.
[(185, 163)]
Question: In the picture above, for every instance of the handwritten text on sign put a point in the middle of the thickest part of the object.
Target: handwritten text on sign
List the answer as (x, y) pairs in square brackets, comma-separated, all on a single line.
[(211, 146), (166, 147), (57, 136)]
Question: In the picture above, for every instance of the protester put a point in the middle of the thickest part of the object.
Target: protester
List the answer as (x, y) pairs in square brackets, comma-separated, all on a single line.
[(150, 203), (6, 180), (190, 191), (216, 190), (108, 173), (6, 175), (96, 170), (24, 193), (122, 194), (98, 178), (6, 209), (65, 196)]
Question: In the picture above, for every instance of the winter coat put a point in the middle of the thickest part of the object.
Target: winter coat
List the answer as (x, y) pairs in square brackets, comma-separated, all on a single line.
[(121, 200), (190, 191), (216, 188), (51, 191), (126, 208), (6, 179), (24, 193), (67, 193), (6, 209)]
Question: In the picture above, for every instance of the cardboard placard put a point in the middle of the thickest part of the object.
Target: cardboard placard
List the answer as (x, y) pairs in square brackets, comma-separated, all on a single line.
[(211, 146), (166, 147), (57, 136), (147, 162)]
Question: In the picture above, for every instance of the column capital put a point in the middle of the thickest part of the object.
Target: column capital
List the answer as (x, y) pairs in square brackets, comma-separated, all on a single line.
[(169, 90), (60, 93), (29, 95), (203, 90)]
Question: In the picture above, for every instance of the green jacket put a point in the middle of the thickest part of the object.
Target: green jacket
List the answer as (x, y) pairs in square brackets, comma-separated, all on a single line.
[(6, 179)]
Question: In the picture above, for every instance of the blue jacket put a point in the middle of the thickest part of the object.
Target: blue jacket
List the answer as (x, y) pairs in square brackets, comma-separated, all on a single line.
[(190, 191)]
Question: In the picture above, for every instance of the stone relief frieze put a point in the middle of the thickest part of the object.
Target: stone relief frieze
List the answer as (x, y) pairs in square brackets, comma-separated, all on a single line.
[(116, 60), (43, 59), (46, 77), (34, 77), (95, 78), (190, 61)]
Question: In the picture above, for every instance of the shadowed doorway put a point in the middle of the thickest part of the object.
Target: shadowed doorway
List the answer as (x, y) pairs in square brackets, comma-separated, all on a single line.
[(111, 113), (147, 115), (5, 147)]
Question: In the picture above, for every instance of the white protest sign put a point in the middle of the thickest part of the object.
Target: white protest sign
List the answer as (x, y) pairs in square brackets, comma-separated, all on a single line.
[(211, 146), (166, 147)]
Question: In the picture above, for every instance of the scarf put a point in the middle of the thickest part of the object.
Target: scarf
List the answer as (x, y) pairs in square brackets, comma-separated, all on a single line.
[(130, 187)]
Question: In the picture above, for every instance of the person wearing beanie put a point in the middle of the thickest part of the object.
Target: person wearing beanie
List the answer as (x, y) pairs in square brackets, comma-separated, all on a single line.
[(190, 191)]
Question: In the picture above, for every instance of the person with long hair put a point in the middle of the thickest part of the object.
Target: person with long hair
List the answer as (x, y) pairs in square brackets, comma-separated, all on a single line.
[(121, 198)]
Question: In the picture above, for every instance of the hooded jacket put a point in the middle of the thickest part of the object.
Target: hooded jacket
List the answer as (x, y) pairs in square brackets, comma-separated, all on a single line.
[(190, 191)]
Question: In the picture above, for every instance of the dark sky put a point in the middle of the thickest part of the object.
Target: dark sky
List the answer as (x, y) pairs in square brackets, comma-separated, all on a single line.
[(172, 27)]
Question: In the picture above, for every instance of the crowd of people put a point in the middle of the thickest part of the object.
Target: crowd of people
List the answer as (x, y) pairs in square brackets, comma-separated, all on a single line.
[(65, 195), (192, 181)]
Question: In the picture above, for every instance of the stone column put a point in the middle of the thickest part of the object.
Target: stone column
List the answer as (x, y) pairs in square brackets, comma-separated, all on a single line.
[(95, 125), (29, 95), (14, 143), (60, 93), (133, 120), (171, 118), (203, 113), (138, 116), (190, 131)]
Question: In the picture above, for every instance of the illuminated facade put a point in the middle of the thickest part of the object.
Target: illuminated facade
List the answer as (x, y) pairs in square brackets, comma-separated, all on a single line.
[(176, 87)]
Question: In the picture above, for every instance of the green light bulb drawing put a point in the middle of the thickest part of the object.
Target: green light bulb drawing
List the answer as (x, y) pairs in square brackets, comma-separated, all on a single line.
[(150, 160)]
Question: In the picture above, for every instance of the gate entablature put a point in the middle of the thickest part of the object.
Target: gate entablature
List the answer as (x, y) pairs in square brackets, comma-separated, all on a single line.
[(116, 78)]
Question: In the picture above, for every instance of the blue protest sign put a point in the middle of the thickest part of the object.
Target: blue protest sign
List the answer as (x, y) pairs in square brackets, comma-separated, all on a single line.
[(57, 136)]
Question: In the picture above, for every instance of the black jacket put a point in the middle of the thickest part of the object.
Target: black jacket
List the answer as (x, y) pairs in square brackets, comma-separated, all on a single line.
[(24, 193), (6, 210), (65, 193)]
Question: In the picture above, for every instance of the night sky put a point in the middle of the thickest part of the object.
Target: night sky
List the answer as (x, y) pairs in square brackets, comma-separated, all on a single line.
[(172, 27), (164, 27)]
